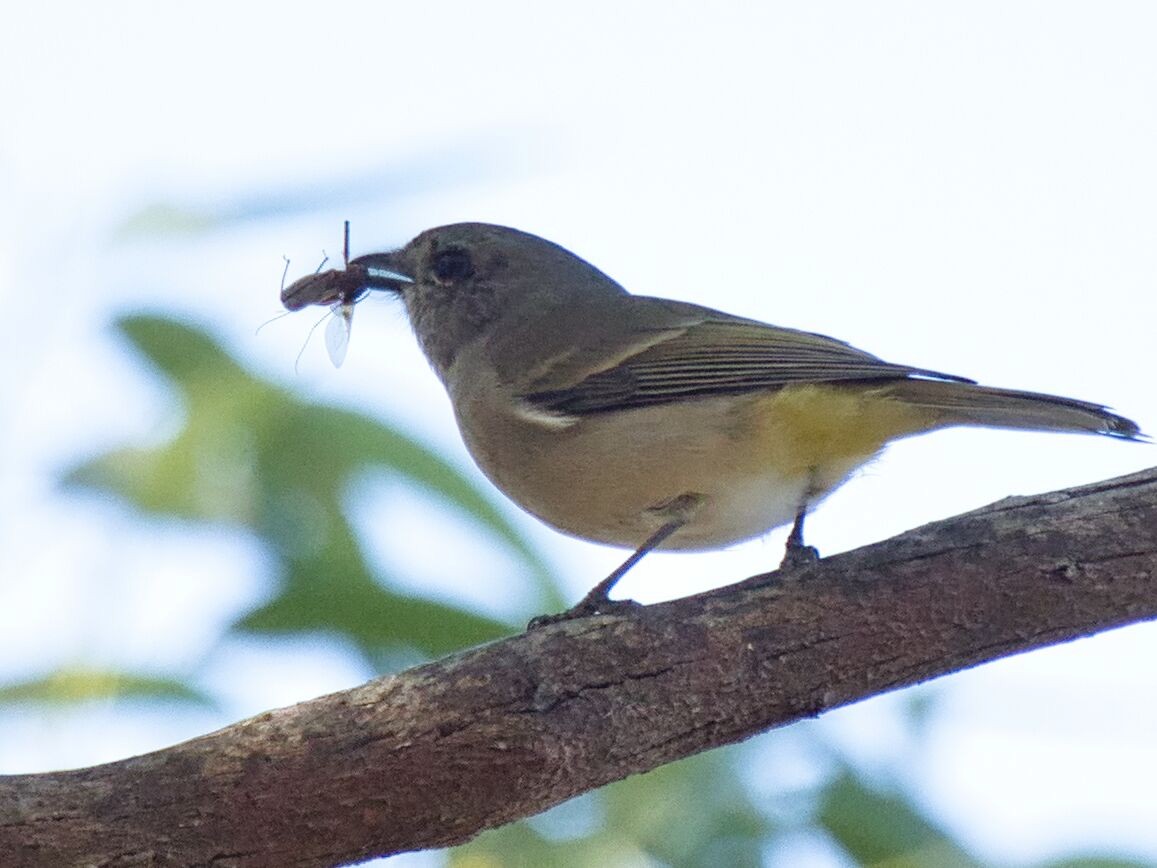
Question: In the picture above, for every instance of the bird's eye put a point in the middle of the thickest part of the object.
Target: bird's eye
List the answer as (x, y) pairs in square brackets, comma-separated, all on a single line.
[(452, 264)]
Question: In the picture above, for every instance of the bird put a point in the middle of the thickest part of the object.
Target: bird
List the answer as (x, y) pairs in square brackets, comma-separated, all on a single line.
[(648, 423)]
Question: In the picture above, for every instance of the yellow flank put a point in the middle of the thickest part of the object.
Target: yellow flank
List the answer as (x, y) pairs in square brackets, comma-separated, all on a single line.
[(825, 429)]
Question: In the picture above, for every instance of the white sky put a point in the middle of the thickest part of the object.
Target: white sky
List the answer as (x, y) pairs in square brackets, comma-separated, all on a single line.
[(967, 187)]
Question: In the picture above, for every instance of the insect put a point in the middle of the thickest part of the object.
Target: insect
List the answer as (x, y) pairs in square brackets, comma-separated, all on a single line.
[(339, 289)]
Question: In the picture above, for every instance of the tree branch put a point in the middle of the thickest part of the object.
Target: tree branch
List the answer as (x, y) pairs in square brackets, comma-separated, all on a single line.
[(432, 756)]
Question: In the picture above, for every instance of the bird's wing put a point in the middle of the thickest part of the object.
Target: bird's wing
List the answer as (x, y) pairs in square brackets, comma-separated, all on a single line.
[(718, 355)]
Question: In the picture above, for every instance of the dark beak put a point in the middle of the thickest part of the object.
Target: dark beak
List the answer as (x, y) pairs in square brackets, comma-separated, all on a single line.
[(381, 271)]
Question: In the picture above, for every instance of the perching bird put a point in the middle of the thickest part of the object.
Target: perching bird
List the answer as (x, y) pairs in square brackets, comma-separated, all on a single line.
[(649, 423)]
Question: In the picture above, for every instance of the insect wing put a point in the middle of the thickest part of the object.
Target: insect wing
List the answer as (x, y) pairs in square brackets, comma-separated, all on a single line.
[(337, 333)]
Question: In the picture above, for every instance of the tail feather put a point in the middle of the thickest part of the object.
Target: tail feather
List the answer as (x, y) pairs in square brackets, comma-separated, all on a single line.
[(953, 403)]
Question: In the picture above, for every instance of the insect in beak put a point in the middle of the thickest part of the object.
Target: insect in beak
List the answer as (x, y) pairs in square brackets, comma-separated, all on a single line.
[(340, 290)]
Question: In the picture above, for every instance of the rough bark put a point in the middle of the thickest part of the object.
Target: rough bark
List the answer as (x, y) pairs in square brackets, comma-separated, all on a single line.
[(431, 756)]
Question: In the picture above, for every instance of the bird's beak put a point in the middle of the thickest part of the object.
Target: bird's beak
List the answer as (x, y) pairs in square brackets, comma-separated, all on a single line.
[(381, 271)]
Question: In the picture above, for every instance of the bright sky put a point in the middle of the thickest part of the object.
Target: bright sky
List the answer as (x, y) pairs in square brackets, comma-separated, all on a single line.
[(967, 187)]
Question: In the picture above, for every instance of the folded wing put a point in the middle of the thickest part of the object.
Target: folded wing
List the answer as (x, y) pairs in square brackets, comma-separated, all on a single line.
[(718, 357)]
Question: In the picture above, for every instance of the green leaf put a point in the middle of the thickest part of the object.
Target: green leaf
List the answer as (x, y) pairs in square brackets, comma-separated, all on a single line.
[(248, 453), (1096, 862), (885, 829), (372, 617), (168, 218), (72, 685), (331, 445), (235, 421)]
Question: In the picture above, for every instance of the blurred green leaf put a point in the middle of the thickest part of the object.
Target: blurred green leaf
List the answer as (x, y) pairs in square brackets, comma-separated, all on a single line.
[(885, 830), (168, 218), (1095, 862), (356, 607), (71, 685), (249, 453), (695, 812)]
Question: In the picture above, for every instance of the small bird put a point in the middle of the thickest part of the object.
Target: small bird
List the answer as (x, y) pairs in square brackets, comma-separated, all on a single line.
[(648, 423)]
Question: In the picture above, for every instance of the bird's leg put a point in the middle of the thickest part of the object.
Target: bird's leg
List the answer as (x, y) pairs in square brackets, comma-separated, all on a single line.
[(797, 553), (598, 601), (598, 597)]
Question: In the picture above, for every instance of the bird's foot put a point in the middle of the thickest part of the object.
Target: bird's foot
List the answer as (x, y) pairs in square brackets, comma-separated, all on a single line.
[(797, 555), (584, 609)]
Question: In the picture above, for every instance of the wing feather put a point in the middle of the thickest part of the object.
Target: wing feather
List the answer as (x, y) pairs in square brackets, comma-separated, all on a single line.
[(720, 357)]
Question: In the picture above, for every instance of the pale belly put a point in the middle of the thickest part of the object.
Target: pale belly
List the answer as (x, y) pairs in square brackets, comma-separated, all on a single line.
[(607, 478)]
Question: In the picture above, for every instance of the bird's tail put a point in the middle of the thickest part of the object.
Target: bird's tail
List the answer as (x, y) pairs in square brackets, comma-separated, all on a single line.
[(951, 403)]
